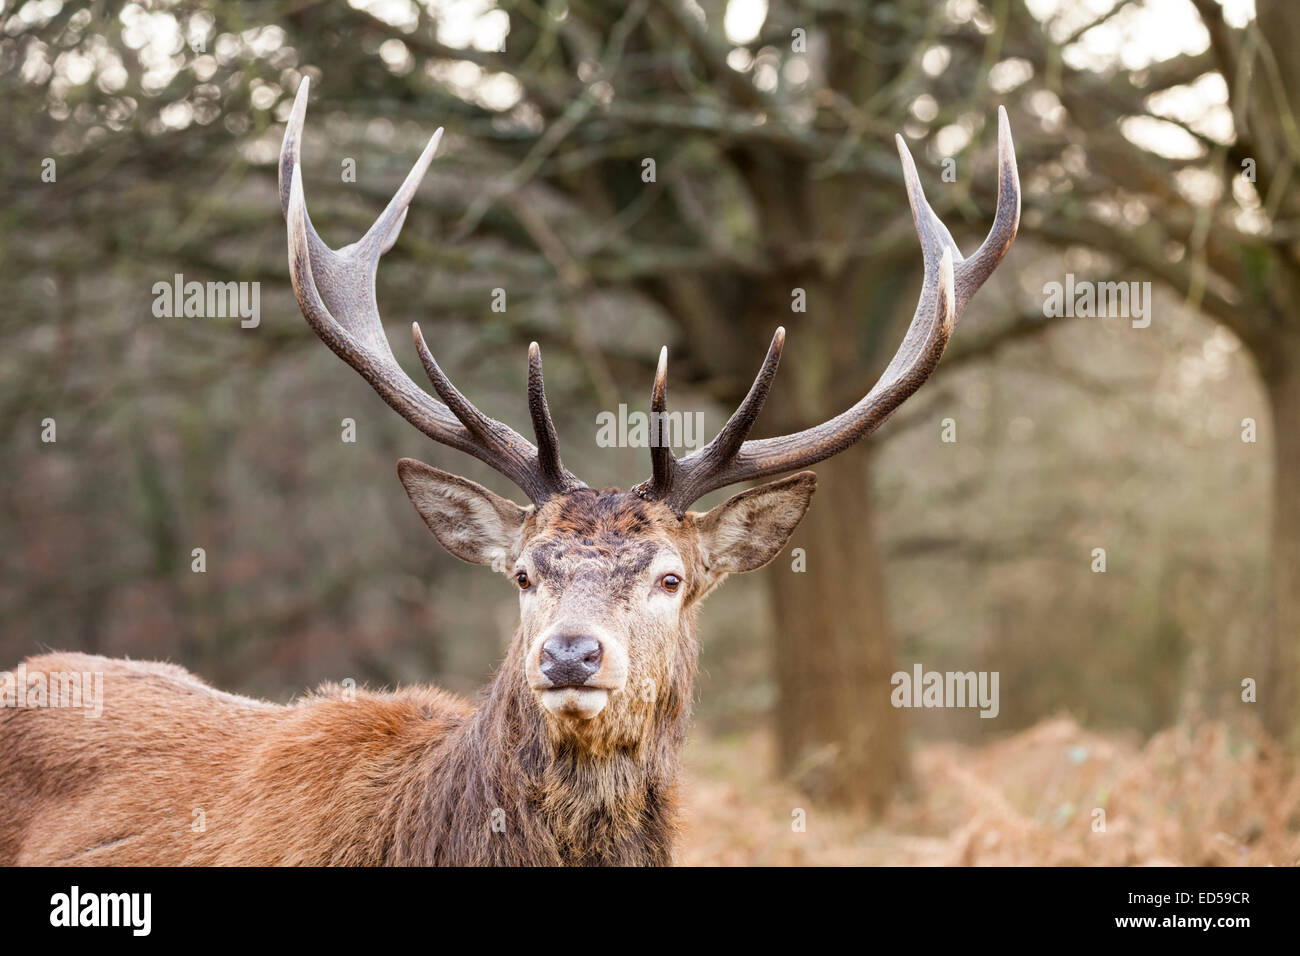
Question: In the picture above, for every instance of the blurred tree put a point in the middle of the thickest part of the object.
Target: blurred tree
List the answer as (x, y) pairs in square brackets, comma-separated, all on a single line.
[(1181, 170)]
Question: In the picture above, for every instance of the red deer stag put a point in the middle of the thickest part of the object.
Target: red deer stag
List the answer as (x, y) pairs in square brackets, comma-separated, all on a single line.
[(571, 754)]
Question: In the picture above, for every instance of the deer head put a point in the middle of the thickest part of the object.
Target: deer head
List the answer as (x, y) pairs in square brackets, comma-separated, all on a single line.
[(609, 580)]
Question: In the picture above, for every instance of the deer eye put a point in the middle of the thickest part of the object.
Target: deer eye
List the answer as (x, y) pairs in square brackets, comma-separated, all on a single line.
[(670, 583), (521, 579)]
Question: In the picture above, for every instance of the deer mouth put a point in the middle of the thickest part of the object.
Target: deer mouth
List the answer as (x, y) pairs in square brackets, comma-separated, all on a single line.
[(575, 702)]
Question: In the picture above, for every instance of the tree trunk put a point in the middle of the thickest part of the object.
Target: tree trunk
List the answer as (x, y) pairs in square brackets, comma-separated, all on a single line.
[(1279, 686), (838, 735)]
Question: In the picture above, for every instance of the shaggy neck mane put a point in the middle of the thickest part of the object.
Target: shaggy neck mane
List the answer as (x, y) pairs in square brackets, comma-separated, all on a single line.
[(504, 789)]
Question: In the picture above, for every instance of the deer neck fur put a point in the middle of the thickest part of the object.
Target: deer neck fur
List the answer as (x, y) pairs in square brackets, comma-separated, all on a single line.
[(510, 786)]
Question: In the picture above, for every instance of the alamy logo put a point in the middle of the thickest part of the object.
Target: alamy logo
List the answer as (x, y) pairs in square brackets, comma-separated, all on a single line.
[(638, 429), (208, 300), (923, 688), (53, 689), (75, 908), (1098, 300)]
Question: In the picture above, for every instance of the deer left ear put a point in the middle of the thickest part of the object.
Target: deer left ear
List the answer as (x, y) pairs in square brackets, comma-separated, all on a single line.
[(749, 529)]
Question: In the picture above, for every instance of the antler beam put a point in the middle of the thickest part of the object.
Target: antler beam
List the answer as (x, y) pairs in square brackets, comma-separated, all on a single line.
[(950, 281), (336, 292)]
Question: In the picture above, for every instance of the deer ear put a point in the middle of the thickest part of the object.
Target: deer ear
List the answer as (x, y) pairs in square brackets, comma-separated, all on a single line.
[(471, 522), (749, 529)]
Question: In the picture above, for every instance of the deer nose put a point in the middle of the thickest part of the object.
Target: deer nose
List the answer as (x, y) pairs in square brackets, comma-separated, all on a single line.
[(569, 659)]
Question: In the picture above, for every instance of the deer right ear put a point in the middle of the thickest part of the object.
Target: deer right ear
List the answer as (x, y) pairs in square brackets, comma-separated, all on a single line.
[(471, 522)]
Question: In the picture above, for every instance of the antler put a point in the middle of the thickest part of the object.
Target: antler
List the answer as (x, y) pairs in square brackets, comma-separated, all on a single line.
[(336, 292), (950, 281)]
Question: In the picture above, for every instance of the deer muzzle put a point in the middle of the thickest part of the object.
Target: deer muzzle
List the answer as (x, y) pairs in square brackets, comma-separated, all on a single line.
[(574, 670)]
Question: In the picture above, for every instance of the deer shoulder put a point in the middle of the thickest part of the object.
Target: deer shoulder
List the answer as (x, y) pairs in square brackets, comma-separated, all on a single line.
[(167, 770)]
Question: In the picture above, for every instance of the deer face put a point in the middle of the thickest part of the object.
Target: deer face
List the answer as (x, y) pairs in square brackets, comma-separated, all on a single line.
[(608, 582)]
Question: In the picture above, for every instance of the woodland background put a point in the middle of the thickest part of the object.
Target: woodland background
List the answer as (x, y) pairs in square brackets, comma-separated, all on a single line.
[(1157, 141)]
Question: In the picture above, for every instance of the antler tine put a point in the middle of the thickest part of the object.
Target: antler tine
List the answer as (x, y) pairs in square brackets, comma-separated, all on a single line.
[(1006, 219), (969, 274), (336, 293), (733, 434), (478, 424), (383, 233), (548, 443), (663, 465), (948, 284), (289, 149), (726, 443)]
